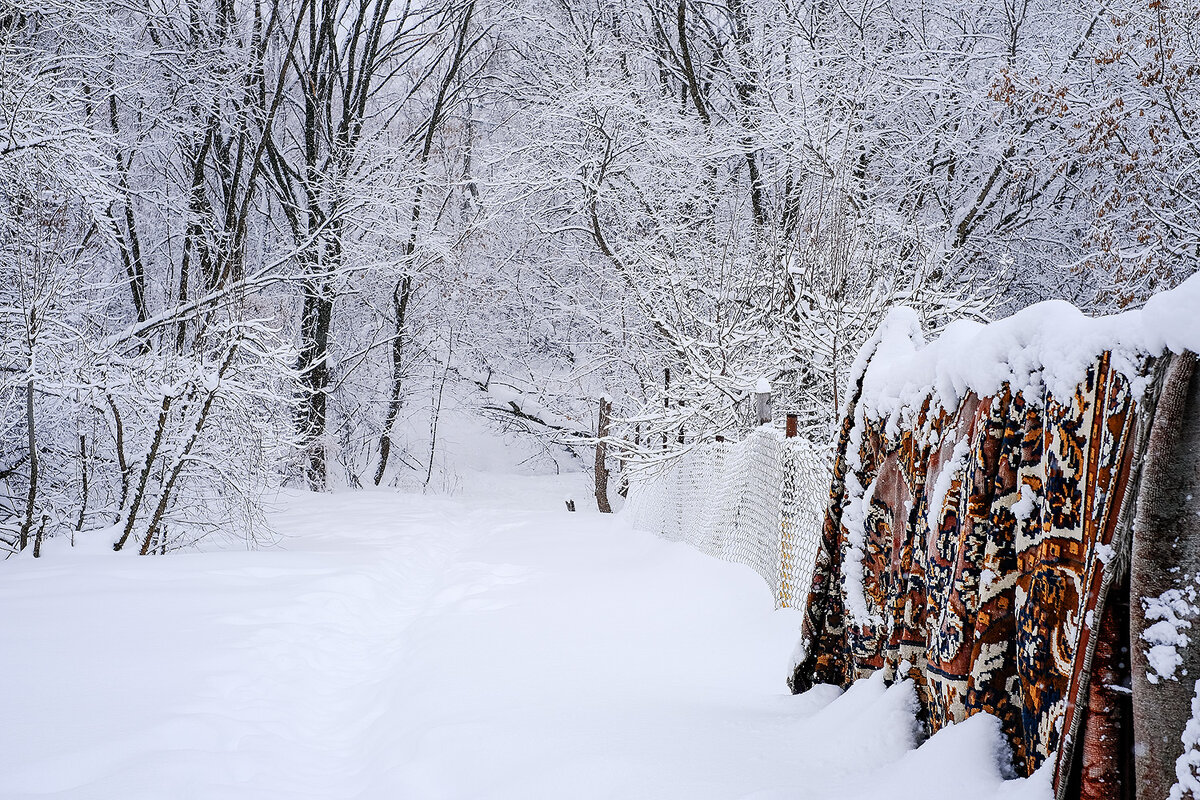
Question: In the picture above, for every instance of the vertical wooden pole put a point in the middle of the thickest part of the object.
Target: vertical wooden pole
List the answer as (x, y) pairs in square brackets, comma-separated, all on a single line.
[(762, 402), (793, 426)]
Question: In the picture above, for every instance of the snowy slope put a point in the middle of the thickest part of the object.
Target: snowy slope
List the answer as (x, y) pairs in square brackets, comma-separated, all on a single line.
[(400, 646)]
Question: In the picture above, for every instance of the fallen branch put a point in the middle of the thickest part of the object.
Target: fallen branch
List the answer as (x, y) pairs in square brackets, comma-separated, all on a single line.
[(514, 410)]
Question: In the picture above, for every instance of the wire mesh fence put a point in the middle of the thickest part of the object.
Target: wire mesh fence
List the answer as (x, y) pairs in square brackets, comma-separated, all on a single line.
[(758, 502)]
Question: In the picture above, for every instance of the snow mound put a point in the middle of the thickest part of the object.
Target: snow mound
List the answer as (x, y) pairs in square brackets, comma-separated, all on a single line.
[(1045, 346)]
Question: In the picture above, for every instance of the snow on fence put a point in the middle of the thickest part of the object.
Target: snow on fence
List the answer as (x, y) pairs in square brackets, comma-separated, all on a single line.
[(758, 502)]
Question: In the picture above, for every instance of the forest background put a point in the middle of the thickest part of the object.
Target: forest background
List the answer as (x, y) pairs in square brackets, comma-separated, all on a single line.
[(246, 243)]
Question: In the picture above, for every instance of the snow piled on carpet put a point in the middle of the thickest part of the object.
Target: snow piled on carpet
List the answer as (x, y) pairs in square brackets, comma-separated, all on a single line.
[(1047, 346), (489, 645)]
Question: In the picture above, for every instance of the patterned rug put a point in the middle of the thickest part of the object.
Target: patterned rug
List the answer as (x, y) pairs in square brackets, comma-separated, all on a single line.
[(972, 550)]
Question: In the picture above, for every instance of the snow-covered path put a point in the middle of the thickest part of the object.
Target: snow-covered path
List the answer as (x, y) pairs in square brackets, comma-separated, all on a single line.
[(397, 646)]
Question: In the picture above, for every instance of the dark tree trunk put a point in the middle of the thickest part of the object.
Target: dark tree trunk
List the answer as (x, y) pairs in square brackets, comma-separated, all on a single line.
[(31, 498), (83, 481), (313, 364), (400, 297), (602, 457), (139, 495), (37, 541)]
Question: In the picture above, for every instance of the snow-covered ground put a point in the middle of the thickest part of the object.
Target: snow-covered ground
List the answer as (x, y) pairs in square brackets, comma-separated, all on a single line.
[(489, 645)]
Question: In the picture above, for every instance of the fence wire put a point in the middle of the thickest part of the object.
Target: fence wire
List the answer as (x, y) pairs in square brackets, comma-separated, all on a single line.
[(758, 502)]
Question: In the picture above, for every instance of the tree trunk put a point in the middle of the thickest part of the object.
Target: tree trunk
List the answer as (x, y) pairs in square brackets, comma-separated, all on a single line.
[(1165, 554), (311, 416), (666, 398), (400, 297), (83, 488), (164, 498), (135, 505), (31, 498), (37, 542), (601, 457)]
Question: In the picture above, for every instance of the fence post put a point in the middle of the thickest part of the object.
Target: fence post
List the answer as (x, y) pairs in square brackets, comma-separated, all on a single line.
[(762, 401), (793, 426)]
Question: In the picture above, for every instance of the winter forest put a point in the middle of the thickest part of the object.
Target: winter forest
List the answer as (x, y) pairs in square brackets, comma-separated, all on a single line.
[(247, 244), (890, 304)]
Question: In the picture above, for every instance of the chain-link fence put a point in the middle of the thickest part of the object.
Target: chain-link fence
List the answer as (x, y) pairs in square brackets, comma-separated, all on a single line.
[(758, 502)]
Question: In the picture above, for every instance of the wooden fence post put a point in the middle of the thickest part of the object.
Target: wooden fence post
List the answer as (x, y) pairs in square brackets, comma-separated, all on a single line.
[(762, 402), (793, 426)]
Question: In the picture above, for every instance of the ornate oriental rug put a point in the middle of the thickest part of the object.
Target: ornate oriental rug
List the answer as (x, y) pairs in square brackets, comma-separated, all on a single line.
[(973, 550)]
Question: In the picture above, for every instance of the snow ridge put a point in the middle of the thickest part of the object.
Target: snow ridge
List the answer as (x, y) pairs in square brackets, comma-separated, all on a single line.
[(1046, 347), (855, 511)]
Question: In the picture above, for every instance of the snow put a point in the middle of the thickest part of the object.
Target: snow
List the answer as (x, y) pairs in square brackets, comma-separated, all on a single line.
[(1187, 766), (945, 479), (1047, 345), (1166, 636), (1026, 504), (856, 512), (1169, 319), (489, 644), (986, 578)]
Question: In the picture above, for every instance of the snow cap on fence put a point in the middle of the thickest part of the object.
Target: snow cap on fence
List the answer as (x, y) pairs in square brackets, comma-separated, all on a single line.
[(1047, 346)]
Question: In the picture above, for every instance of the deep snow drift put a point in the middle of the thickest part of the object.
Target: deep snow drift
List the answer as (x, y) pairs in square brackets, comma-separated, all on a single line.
[(399, 646)]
